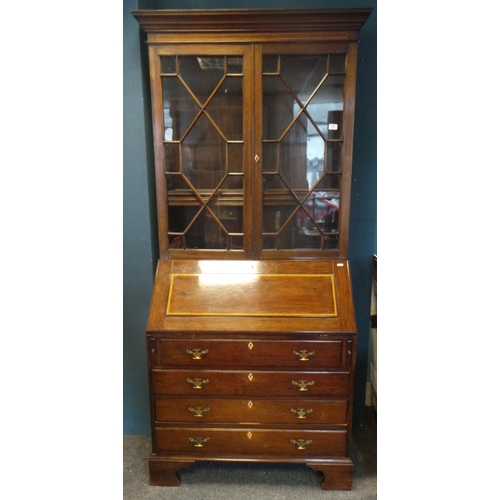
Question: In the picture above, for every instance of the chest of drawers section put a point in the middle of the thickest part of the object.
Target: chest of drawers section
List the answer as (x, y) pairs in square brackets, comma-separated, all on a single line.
[(251, 398)]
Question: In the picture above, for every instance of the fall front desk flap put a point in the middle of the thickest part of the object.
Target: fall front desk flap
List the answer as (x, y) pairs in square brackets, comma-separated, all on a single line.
[(237, 296)]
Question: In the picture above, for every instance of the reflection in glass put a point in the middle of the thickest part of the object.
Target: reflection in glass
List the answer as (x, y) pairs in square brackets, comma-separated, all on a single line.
[(334, 157), (179, 108), (203, 144), (303, 74), (201, 74), (235, 65), (168, 64), (172, 158), (326, 107), (302, 150), (226, 108), (278, 109), (204, 155)]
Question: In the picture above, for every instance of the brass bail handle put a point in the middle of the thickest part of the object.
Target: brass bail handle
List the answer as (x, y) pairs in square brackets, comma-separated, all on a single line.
[(197, 383), (301, 444), (197, 353), (304, 354), (301, 412), (199, 411), (198, 442), (302, 385)]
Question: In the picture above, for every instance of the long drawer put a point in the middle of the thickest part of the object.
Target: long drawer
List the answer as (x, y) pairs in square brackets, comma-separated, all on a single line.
[(235, 353), (248, 412), (251, 383), (204, 442)]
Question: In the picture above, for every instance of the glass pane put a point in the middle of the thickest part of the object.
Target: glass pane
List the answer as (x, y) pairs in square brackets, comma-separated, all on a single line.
[(230, 217), (321, 208), (179, 108), (334, 159), (226, 108), (278, 206), (302, 152), (327, 105), (196, 236), (235, 158), (278, 109), (201, 74), (183, 205), (300, 232), (337, 63), (234, 65), (329, 182), (270, 64), (168, 64), (172, 158), (303, 73), (270, 243), (204, 155), (215, 235), (236, 242), (331, 242), (270, 156)]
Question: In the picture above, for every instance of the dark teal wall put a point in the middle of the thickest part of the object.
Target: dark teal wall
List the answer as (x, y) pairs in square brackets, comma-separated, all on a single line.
[(140, 238), (138, 245)]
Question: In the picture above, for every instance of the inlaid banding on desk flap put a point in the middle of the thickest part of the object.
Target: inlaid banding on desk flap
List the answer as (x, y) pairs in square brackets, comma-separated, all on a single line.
[(274, 295)]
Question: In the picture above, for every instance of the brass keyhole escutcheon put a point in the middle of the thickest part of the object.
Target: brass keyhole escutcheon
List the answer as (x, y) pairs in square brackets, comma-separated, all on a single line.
[(199, 411), (257, 158), (302, 385), (304, 354), (197, 383), (197, 353), (301, 444)]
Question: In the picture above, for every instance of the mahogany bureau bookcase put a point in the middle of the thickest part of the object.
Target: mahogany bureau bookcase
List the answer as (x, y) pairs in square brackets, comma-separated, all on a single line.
[(251, 333)]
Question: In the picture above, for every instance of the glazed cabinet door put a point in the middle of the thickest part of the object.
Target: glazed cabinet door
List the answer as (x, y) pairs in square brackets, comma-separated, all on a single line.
[(253, 149), (306, 94), (202, 132)]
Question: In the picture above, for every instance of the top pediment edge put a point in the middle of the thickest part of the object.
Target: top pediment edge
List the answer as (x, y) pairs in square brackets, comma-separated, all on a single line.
[(251, 20)]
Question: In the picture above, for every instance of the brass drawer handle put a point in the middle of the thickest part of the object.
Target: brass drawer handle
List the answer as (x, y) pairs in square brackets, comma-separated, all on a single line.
[(301, 444), (303, 385), (304, 355), (197, 383), (197, 353), (301, 412), (198, 441), (199, 411)]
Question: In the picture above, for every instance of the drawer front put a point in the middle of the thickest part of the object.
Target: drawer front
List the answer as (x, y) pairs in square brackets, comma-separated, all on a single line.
[(248, 442), (250, 412), (251, 383), (236, 353)]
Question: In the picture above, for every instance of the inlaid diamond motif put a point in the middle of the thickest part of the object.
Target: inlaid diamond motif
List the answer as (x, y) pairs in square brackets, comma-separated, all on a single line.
[(250, 377)]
